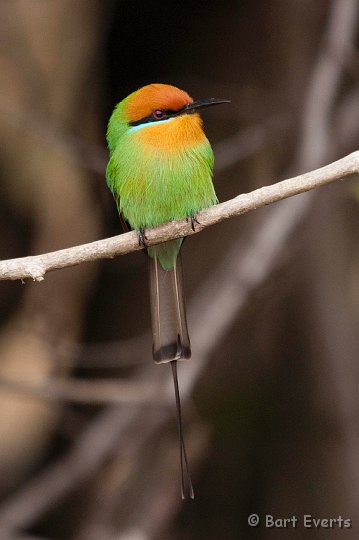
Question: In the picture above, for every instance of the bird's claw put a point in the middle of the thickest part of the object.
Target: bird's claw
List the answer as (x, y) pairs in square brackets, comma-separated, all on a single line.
[(194, 222), (142, 237)]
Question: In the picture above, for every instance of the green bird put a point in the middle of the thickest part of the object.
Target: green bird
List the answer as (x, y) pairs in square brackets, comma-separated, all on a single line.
[(160, 169)]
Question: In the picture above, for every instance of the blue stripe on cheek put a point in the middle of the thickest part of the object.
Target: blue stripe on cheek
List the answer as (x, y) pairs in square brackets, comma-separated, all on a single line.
[(155, 123)]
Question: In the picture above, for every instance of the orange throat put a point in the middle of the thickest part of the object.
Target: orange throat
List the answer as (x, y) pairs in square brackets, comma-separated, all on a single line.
[(172, 135)]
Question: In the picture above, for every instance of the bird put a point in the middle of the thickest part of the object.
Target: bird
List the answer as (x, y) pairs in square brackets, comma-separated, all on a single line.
[(160, 169)]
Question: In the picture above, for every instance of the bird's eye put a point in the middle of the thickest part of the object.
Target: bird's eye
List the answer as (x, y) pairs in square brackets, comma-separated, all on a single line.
[(158, 114)]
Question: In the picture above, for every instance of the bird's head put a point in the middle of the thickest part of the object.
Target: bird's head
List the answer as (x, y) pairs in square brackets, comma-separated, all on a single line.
[(161, 116)]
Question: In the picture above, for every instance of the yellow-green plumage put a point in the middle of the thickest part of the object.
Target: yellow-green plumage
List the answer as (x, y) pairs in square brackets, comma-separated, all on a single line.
[(153, 185), (160, 169)]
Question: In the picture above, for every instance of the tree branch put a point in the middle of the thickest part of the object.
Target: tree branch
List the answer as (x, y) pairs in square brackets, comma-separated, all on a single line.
[(35, 267), (88, 391)]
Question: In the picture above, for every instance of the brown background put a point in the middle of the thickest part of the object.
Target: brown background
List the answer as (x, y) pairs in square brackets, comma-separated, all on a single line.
[(271, 395)]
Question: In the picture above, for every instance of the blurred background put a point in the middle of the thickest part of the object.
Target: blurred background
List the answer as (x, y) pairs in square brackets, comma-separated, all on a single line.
[(88, 437)]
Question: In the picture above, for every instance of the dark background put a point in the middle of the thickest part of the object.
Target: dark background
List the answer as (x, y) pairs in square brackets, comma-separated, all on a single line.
[(88, 441)]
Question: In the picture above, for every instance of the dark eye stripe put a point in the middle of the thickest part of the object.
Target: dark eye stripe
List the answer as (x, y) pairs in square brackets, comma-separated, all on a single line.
[(150, 118)]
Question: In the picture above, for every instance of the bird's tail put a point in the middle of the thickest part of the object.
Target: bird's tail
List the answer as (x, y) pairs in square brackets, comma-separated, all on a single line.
[(170, 337), (168, 313)]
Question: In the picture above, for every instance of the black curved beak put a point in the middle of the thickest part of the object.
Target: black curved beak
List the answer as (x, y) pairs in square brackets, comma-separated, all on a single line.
[(202, 103)]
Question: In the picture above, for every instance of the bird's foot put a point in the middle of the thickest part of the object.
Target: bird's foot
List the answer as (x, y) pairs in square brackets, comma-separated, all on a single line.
[(142, 237), (194, 222)]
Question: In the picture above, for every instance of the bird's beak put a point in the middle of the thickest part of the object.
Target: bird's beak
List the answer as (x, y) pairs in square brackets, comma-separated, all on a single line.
[(204, 103)]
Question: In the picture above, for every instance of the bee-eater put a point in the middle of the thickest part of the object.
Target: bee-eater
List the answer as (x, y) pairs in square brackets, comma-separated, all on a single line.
[(160, 169)]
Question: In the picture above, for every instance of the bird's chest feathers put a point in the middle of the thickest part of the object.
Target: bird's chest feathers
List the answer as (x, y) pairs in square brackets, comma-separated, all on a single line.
[(171, 136), (164, 173)]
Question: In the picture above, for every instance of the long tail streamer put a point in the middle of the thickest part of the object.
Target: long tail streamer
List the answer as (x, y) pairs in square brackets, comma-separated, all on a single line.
[(186, 482)]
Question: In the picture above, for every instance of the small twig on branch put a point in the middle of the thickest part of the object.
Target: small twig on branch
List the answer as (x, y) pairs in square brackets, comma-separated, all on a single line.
[(35, 267)]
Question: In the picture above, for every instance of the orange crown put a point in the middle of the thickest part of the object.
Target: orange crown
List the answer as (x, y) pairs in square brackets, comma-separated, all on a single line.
[(154, 96)]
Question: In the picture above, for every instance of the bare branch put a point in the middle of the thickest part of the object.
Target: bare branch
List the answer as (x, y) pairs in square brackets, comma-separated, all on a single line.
[(35, 267), (248, 141), (95, 442), (325, 82), (11, 535), (88, 391)]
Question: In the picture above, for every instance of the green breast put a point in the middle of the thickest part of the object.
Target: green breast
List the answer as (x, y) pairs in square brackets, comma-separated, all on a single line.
[(151, 188)]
